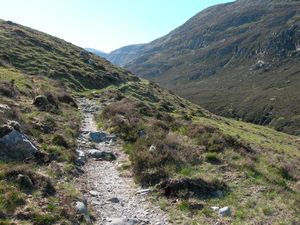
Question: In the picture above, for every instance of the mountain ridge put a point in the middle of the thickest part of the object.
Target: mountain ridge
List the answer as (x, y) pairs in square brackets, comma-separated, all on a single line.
[(227, 53)]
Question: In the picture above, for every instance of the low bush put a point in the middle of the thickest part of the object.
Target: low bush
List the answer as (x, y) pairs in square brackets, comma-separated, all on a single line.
[(60, 141)]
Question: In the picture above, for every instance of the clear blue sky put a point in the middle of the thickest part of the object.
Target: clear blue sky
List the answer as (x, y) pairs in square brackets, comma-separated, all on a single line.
[(103, 24)]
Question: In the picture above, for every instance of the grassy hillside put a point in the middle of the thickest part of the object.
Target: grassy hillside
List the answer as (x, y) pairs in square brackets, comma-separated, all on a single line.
[(49, 199), (238, 59), (36, 53), (191, 158), (32, 64), (201, 160)]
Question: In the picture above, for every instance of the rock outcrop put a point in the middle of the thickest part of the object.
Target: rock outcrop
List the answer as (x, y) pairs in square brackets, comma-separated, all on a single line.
[(14, 145)]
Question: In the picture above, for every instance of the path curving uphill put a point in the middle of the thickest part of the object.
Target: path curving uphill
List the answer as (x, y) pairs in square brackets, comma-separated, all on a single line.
[(115, 199)]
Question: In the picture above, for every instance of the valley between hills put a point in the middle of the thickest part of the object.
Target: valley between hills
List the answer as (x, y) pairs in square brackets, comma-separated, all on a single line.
[(83, 141), (238, 60)]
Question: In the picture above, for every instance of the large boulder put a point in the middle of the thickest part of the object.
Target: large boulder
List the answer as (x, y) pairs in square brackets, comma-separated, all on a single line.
[(45, 102), (41, 102), (15, 146)]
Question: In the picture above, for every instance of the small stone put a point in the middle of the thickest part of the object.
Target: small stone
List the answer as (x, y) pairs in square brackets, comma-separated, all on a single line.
[(141, 133), (114, 200), (143, 191), (81, 159), (152, 148), (215, 208), (94, 193), (80, 207), (104, 155), (225, 211), (123, 221)]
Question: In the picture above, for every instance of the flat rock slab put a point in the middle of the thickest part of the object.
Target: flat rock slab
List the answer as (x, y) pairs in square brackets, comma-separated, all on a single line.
[(97, 136), (104, 155)]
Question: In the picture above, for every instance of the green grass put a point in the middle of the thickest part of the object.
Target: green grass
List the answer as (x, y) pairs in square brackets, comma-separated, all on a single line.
[(46, 128)]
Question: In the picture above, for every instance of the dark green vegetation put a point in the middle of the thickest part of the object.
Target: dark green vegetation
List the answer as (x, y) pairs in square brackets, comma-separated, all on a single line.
[(187, 153), (237, 59)]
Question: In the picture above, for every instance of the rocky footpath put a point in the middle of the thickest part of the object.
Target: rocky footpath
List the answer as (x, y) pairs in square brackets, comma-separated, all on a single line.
[(114, 199)]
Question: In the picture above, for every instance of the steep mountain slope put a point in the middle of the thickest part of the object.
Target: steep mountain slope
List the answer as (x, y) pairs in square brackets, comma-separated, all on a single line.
[(238, 59), (191, 158), (124, 55), (121, 56), (40, 54), (97, 52)]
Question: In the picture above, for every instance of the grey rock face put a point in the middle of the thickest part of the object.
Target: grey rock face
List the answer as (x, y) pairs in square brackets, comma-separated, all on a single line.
[(16, 146)]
